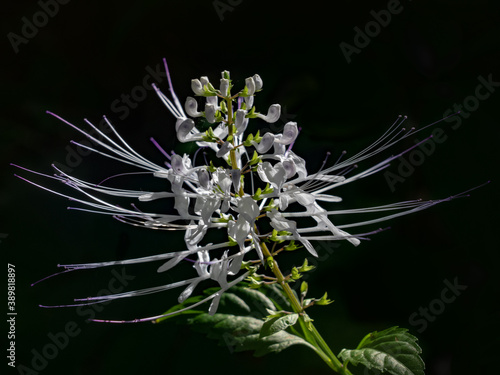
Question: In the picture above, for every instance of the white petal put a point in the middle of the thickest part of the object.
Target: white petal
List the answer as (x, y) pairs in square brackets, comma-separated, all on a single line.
[(249, 101), (215, 304), (205, 206), (191, 107), (289, 168), (186, 293), (265, 144), (239, 230), (197, 87), (203, 178), (240, 121), (235, 265), (236, 179), (184, 130), (250, 84), (248, 208), (224, 149), (258, 82), (224, 87), (289, 135), (170, 264), (273, 114), (210, 112), (276, 175)]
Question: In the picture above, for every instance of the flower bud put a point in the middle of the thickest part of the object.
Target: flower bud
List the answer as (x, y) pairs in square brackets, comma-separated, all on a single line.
[(197, 87), (289, 135), (204, 178), (210, 113), (235, 178), (178, 164), (204, 80), (265, 144), (258, 82), (225, 74), (250, 84), (240, 121), (184, 130), (289, 168), (224, 87), (249, 101), (191, 107), (213, 100), (224, 149), (273, 114)]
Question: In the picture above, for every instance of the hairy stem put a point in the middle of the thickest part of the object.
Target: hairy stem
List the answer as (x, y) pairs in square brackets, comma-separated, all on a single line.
[(232, 152)]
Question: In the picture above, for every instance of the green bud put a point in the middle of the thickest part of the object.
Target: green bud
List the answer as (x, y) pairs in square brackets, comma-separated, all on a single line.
[(305, 267), (303, 289), (252, 113), (257, 137), (268, 189), (223, 106), (296, 274), (292, 246), (255, 160), (211, 168), (323, 301), (270, 262)]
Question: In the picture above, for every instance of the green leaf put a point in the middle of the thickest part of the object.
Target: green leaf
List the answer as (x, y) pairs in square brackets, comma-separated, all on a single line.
[(393, 350), (278, 324), (239, 321)]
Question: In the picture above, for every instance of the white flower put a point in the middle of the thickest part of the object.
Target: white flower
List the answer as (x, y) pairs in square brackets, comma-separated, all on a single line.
[(233, 197), (273, 114), (191, 107)]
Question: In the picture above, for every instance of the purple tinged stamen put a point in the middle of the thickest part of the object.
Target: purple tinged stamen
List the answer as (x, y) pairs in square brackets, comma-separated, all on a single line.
[(170, 86), (55, 274), (347, 170), (38, 173), (340, 157), (195, 155), (121, 174), (436, 122), (157, 145)]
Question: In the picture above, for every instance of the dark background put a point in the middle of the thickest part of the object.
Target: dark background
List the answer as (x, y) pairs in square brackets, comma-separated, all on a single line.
[(426, 60)]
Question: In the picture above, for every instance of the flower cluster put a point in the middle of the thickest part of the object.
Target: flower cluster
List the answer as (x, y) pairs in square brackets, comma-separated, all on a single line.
[(252, 178)]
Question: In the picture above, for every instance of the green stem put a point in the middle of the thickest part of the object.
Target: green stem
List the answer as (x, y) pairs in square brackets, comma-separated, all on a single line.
[(310, 332), (232, 152)]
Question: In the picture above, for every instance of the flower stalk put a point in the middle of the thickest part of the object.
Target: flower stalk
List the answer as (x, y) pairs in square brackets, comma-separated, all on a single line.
[(310, 332)]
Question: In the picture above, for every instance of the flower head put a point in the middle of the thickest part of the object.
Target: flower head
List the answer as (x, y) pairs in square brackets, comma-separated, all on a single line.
[(250, 179)]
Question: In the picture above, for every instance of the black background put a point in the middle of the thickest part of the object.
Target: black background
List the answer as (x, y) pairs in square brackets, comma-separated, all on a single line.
[(427, 59)]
